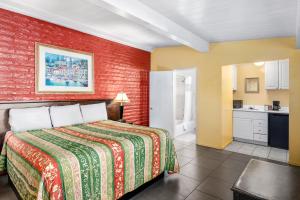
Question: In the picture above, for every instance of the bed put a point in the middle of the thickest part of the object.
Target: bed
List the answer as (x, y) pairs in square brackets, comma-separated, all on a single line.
[(97, 160)]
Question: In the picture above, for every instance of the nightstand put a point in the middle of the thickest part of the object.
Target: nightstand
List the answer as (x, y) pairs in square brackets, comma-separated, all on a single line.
[(3, 174)]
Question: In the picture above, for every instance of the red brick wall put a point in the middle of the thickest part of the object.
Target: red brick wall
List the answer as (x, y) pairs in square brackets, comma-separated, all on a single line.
[(116, 67)]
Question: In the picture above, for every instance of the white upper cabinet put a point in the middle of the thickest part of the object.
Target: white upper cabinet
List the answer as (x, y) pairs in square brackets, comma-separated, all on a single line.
[(277, 74), (271, 75), (234, 77), (284, 74)]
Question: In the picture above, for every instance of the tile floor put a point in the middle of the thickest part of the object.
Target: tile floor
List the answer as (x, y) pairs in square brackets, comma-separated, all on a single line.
[(259, 151), (187, 138), (206, 174)]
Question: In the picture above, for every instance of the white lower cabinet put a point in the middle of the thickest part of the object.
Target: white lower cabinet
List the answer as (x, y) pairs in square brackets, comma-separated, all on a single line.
[(259, 123), (263, 130), (242, 128), (260, 138), (250, 126)]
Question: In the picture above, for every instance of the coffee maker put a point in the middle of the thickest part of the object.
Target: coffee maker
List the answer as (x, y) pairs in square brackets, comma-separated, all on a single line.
[(276, 105)]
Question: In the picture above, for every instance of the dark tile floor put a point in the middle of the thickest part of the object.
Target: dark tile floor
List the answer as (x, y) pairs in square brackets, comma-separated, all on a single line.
[(206, 174)]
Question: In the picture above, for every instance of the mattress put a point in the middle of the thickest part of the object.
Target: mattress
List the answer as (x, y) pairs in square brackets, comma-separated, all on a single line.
[(99, 160)]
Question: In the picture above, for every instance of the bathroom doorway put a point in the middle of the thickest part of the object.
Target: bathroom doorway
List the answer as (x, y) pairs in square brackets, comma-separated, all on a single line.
[(185, 105), (173, 103)]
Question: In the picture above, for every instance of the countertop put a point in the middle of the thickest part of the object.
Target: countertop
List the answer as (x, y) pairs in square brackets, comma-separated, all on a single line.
[(283, 110)]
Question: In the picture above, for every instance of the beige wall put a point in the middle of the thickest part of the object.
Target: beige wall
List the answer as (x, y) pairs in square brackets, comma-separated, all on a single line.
[(227, 98), (264, 96), (209, 82), (294, 117)]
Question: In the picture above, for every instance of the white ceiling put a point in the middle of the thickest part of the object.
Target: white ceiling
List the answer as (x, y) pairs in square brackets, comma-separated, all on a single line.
[(86, 17), (148, 24), (228, 20)]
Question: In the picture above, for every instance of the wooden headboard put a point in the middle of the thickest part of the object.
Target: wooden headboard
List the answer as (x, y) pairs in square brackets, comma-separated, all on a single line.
[(113, 110)]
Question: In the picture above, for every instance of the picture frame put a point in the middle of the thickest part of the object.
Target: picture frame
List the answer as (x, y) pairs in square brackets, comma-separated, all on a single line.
[(252, 85), (61, 70)]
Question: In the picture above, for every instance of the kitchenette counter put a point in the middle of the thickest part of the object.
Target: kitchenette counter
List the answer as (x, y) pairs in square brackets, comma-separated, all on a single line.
[(284, 110), (254, 124)]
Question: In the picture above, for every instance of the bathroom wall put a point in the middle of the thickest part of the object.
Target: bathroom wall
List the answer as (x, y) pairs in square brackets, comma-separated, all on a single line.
[(250, 70)]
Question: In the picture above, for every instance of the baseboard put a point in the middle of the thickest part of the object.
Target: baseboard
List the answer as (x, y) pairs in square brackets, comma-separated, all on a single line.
[(211, 146), (293, 163), (226, 144)]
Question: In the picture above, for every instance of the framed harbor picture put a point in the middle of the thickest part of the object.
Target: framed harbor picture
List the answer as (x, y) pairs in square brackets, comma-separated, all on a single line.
[(61, 70)]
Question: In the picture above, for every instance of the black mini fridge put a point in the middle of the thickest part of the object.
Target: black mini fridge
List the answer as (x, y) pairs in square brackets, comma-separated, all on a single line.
[(279, 130)]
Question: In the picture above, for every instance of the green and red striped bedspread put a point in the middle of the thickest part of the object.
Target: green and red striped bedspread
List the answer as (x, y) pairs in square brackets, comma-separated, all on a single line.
[(100, 160)]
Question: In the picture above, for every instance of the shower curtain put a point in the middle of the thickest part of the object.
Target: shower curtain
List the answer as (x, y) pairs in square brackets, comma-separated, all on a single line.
[(187, 116)]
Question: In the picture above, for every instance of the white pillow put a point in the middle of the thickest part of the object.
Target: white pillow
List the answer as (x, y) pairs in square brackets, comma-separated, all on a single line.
[(94, 112), (65, 115), (29, 119)]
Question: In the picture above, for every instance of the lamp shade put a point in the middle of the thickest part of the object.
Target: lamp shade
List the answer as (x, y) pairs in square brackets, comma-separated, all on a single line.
[(122, 98)]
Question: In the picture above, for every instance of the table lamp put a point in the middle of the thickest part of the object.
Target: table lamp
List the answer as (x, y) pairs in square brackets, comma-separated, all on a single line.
[(122, 99)]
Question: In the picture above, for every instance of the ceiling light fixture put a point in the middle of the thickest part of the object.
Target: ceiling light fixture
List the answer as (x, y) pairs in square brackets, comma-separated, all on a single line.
[(259, 63)]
